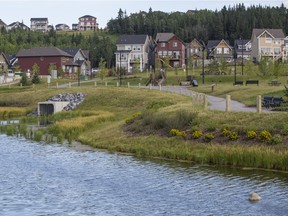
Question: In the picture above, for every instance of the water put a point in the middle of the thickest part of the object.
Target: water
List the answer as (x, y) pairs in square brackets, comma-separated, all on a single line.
[(41, 179)]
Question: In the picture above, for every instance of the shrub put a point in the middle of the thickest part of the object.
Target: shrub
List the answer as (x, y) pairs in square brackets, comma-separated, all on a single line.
[(209, 136), (276, 139), (197, 134), (38, 135), (233, 136), (265, 136), (133, 117), (251, 134), (176, 132), (225, 132)]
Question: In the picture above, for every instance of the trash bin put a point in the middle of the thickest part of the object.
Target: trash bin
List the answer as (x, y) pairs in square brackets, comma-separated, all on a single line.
[(194, 83)]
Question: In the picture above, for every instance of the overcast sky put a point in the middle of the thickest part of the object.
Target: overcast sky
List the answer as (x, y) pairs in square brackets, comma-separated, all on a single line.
[(68, 11)]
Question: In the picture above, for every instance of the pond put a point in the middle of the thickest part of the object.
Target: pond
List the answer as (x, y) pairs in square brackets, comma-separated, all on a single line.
[(52, 179)]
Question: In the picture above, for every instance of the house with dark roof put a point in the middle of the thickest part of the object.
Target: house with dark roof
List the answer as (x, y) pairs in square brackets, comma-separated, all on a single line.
[(194, 52), (39, 24), (268, 43), (169, 45), (44, 57), (87, 23), (7, 62), (219, 49), (2, 24), (62, 27), (243, 48), (17, 25), (81, 59), (132, 52)]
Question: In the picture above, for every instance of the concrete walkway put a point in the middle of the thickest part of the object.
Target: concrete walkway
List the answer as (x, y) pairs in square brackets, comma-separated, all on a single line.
[(214, 103)]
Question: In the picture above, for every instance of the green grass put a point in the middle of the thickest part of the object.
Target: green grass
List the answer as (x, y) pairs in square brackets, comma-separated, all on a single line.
[(100, 122)]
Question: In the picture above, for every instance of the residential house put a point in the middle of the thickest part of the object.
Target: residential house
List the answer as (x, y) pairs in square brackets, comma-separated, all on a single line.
[(7, 62), (219, 49), (45, 57), (132, 52), (62, 27), (2, 24), (80, 59), (75, 27), (87, 23), (39, 24), (17, 25), (243, 48), (194, 52), (267, 43), (170, 46)]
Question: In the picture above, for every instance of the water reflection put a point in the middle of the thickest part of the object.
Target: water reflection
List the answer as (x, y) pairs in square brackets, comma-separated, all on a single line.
[(42, 179)]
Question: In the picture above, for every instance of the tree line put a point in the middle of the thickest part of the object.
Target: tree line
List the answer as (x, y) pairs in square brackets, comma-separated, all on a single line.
[(229, 23)]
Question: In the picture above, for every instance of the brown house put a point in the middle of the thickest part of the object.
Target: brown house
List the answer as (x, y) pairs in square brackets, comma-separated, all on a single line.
[(44, 57), (169, 45)]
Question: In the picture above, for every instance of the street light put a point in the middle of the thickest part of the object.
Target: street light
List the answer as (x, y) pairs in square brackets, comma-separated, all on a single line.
[(242, 55), (235, 62), (203, 48)]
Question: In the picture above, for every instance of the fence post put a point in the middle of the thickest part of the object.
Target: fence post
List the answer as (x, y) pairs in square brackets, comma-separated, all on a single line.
[(69, 84), (128, 84), (117, 84), (205, 102), (150, 86), (259, 104), (139, 85), (160, 87), (228, 103), (106, 84), (95, 83)]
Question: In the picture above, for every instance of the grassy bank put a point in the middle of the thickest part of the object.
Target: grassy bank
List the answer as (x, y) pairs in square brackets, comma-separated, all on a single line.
[(139, 121)]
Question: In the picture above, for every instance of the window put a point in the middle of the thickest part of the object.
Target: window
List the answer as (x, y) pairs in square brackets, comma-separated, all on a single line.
[(277, 41), (163, 44), (218, 50), (226, 50), (175, 44), (169, 53), (268, 40), (164, 53), (160, 53), (276, 50)]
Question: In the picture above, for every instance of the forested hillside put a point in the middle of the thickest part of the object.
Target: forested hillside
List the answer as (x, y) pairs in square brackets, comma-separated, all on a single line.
[(229, 23), (99, 44)]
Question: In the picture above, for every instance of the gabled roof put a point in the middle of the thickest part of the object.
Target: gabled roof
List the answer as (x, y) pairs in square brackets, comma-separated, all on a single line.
[(240, 42), (41, 52), (71, 51), (132, 39), (18, 24), (214, 43), (86, 53), (276, 33), (164, 37), (2, 23), (62, 24), (39, 19), (87, 16), (9, 57)]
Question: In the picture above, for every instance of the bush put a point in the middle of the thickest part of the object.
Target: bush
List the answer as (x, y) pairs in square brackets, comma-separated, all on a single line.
[(197, 134), (132, 118), (233, 136), (251, 134), (225, 132), (276, 139), (209, 136), (265, 136), (176, 132)]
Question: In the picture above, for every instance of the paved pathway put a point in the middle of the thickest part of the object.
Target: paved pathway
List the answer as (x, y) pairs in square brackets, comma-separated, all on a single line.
[(214, 103)]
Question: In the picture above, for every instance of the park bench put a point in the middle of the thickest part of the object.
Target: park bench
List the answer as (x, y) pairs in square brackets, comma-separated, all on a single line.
[(274, 83), (272, 101), (252, 82)]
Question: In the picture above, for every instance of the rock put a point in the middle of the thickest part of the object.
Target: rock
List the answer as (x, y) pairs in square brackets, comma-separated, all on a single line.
[(254, 197)]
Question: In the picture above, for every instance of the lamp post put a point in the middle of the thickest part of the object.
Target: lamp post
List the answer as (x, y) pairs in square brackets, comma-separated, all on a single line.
[(235, 63), (203, 48), (242, 56), (120, 68)]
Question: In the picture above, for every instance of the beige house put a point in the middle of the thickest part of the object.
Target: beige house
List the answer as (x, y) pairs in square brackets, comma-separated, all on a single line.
[(194, 52), (268, 43), (132, 52)]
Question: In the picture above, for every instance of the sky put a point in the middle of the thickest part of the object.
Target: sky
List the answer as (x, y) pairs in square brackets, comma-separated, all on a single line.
[(68, 11)]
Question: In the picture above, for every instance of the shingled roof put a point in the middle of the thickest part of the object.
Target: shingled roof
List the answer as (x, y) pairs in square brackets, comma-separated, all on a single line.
[(131, 39), (276, 33), (41, 52), (164, 37)]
